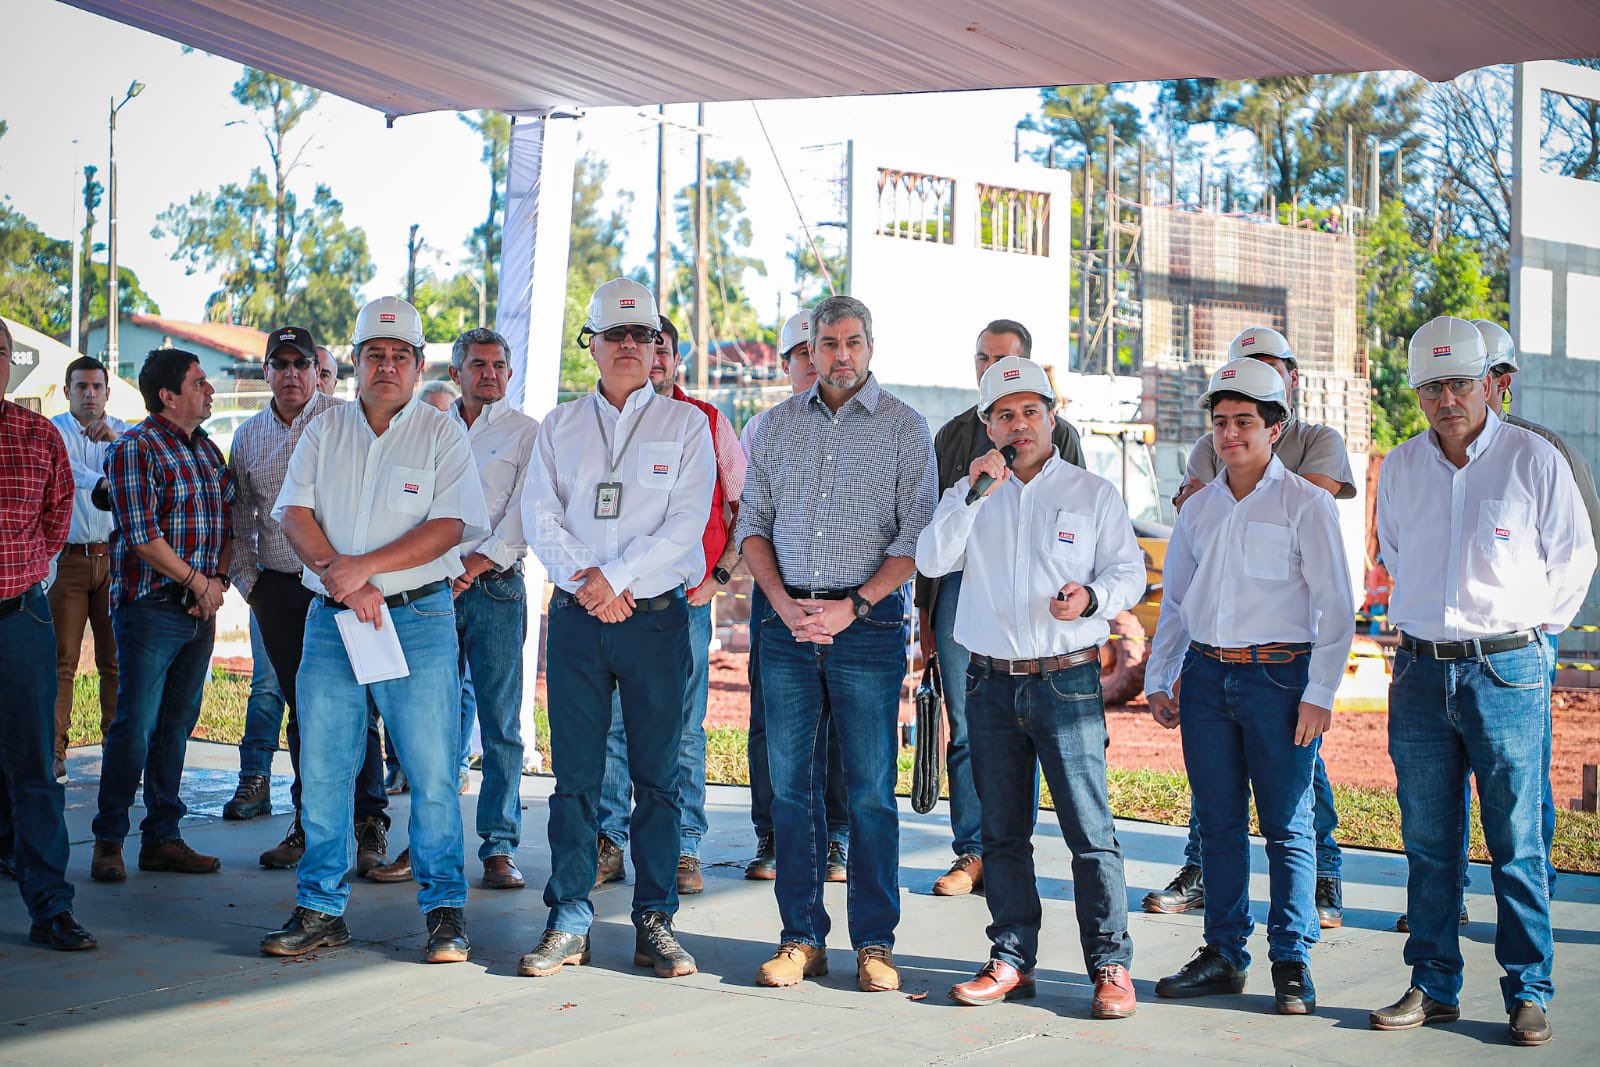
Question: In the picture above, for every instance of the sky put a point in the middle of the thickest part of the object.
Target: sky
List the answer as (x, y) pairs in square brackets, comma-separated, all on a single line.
[(186, 134)]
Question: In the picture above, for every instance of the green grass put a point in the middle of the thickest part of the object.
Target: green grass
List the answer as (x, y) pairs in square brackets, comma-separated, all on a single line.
[(1368, 818)]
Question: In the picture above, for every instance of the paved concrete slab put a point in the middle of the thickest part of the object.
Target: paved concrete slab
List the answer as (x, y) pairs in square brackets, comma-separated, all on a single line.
[(178, 974)]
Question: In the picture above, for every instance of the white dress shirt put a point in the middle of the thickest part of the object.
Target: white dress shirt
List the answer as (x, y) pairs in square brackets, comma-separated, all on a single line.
[(667, 472), (1019, 545), (1501, 544), (502, 440), (88, 459), (368, 491), (259, 456), (1266, 569)]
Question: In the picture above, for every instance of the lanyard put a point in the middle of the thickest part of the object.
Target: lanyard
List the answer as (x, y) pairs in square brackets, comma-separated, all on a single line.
[(626, 441)]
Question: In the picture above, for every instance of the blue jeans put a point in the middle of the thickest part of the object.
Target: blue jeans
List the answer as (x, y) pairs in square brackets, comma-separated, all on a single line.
[(645, 659), (491, 625), (835, 803), (1324, 821), (1057, 721), (164, 655), (1483, 716), (860, 674), (31, 800), (420, 714), (616, 791), (1238, 722), (965, 810), (263, 715), (469, 707)]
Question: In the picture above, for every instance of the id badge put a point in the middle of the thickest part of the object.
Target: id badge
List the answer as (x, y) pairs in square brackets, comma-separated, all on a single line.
[(608, 500)]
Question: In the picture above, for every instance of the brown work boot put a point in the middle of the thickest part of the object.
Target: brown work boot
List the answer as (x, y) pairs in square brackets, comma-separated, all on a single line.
[(875, 970), (609, 866), (286, 853), (372, 844), (964, 875), (1113, 993), (107, 865), (175, 856), (997, 981), (398, 871), (500, 872), (793, 961), (690, 880)]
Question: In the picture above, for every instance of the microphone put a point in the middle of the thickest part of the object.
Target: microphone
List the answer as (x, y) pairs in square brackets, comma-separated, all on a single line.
[(984, 481)]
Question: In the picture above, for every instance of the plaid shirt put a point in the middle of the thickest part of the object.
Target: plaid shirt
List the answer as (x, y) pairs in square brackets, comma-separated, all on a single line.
[(168, 484), (838, 493), (35, 497), (259, 460)]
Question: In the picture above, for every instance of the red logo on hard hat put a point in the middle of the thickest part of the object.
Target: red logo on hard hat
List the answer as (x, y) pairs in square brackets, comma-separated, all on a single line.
[(386, 316), (1441, 350), (1011, 375), (1227, 374), (1247, 342), (805, 324), (625, 302)]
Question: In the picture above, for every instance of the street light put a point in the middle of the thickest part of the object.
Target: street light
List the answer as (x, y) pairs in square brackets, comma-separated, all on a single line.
[(134, 89)]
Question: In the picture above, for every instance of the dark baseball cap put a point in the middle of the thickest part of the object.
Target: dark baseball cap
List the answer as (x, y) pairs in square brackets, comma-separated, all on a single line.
[(296, 337)]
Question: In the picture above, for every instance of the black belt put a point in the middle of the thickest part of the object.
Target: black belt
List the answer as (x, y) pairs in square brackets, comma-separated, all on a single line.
[(502, 574), (648, 604), (13, 604), (1043, 665), (817, 594), (1471, 649), (398, 600)]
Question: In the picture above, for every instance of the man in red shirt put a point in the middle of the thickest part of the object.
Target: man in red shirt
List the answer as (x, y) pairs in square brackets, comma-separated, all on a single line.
[(35, 510), (721, 554)]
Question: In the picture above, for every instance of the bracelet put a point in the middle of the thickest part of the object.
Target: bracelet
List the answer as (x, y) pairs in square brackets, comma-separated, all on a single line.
[(187, 578)]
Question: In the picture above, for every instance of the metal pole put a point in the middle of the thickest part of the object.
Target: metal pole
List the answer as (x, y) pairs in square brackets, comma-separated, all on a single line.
[(1349, 164), (661, 206), (1085, 258), (111, 245), (702, 289), (77, 250), (1111, 252)]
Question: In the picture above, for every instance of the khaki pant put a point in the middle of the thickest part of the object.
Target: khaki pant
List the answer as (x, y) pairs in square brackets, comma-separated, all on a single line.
[(82, 594)]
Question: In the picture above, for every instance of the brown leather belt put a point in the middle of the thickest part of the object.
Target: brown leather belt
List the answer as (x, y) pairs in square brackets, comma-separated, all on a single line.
[(92, 548), (1043, 665), (1280, 652)]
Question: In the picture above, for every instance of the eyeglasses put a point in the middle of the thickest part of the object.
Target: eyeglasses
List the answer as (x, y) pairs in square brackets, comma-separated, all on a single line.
[(642, 335), (1457, 387), (301, 364)]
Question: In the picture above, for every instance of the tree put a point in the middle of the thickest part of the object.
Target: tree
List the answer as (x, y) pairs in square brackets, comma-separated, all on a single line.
[(36, 279), (1075, 118), (811, 281), (731, 315), (278, 261), (484, 243), (92, 192), (595, 256)]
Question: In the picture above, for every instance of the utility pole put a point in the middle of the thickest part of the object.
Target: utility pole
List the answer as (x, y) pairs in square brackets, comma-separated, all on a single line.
[(661, 206), (702, 292), (1085, 259), (412, 248), (1111, 252), (77, 249), (112, 316)]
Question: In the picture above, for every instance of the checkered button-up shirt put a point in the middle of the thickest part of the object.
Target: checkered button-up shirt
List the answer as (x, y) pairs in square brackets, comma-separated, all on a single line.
[(837, 493), (259, 460), (35, 497), (168, 484)]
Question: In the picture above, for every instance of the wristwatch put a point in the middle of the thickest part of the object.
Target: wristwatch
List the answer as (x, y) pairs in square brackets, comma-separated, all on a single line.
[(1094, 602), (863, 605), (722, 574), (226, 582)]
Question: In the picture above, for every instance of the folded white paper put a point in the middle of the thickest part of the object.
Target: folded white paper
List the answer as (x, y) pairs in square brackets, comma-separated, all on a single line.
[(375, 654)]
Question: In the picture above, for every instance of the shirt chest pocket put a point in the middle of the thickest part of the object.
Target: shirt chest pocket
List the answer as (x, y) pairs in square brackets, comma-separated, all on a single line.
[(410, 490), (1068, 539), (658, 464), (1268, 551), (1504, 528)]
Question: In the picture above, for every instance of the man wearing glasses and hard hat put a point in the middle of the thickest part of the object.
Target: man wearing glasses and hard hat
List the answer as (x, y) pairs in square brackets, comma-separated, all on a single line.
[(615, 503), (1256, 624), (1049, 556), (1483, 529)]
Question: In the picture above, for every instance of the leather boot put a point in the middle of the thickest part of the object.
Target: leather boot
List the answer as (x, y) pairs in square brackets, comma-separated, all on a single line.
[(655, 945), (62, 933), (608, 867), (554, 951), (253, 797), (447, 936), (690, 880), (286, 853), (176, 857), (792, 962), (372, 844), (1186, 892), (306, 930), (875, 970), (764, 867), (838, 862), (107, 865), (398, 871), (1330, 903)]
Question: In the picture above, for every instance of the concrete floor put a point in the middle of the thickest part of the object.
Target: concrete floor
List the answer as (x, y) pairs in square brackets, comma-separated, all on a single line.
[(178, 974)]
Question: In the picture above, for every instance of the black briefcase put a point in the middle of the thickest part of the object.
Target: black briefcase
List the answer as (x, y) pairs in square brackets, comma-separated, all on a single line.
[(927, 767)]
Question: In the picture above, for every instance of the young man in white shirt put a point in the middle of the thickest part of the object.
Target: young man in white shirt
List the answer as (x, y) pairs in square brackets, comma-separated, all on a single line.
[(1256, 623), (1053, 556), (1483, 530), (617, 496), (378, 495)]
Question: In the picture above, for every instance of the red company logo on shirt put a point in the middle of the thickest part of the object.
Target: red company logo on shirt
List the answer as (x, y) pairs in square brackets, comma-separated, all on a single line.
[(661, 468), (1011, 375), (1502, 534), (385, 316), (1228, 374), (412, 487), (1066, 538), (1441, 350)]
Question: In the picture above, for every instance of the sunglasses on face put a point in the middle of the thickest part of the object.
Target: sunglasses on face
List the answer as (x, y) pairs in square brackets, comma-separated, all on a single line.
[(301, 364), (642, 335), (1457, 387)]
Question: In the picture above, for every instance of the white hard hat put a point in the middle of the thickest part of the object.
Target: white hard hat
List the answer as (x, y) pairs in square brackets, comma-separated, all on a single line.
[(797, 331), (1445, 347), (1011, 374), (1260, 341), (389, 316), (622, 302), (1249, 377), (1499, 349)]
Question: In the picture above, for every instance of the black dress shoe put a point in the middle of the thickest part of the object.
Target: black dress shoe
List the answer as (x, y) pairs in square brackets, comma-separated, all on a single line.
[(1292, 988), (1184, 893), (447, 937), (252, 798), (1529, 1024), (306, 930), (554, 951), (62, 933), (1414, 1009), (1207, 974), (655, 945), (1330, 903)]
